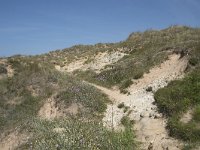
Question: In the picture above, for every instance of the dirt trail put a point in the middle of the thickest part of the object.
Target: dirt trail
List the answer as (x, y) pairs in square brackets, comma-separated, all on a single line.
[(150, 125)]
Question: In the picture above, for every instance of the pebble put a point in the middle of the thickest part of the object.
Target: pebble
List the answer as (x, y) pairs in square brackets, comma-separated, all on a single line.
[(158, 116)]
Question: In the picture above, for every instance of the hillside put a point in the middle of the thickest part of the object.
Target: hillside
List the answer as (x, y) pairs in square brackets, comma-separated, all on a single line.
[(141, 93)]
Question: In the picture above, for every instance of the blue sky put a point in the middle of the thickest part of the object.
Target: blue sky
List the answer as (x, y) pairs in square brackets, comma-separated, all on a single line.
[(38, 26)]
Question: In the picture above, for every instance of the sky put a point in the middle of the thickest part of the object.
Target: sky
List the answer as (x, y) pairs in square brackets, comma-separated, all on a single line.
[(30, 27)]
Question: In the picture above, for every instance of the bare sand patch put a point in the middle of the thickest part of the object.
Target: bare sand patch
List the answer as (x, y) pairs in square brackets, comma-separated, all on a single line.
[(95, 63)]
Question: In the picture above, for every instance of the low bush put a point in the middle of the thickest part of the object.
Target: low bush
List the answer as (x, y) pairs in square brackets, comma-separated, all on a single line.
[(126, 122), (149, 89), (196, 114), (121, 105), (127, 83), (138, 75)]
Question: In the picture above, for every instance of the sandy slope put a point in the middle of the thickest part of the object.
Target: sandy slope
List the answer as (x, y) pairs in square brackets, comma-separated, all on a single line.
[(150, 125), (96, 63)]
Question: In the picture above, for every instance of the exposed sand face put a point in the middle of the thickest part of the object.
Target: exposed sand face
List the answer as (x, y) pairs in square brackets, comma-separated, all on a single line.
[(51, 110), (13, 140), (97, 63), (10, 71), (187, 117), (150, 125)]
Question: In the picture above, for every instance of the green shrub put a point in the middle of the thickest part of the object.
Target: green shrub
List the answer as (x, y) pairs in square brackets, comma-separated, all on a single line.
[(138, 75), (193, 61), (124, 91), (187, 132), (149, 89), (121, 105), (126, 122), (126, 84)]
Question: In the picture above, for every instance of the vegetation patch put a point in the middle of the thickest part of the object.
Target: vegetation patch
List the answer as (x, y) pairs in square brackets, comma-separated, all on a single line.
[(121, 105), (196, 115), (126, 122), (149, 89), (86, 95), (76, 134), (193, 61), (177, 98), (127, 83)]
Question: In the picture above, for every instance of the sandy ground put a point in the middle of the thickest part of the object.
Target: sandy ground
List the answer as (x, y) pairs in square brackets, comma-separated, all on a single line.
[(187, 117), (98, 62), (149, 124), (13, 140)]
